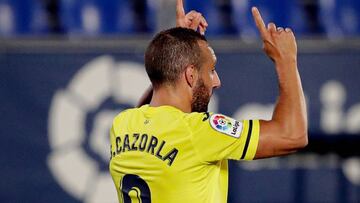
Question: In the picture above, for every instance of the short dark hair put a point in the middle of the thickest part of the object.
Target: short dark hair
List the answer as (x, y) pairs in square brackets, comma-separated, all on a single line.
[(170, 52)]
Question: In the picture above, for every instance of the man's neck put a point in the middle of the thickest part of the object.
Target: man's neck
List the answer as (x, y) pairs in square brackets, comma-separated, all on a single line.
[(171, 96)]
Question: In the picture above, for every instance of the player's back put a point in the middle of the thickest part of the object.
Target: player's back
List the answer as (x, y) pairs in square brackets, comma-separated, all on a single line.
[(153, 158)]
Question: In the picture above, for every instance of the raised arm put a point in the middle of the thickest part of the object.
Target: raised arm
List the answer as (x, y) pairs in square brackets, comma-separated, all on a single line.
[(193, 20), (286, 132)]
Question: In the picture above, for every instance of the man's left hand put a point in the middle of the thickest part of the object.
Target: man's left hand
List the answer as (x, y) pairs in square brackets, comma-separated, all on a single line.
[(192, 20)]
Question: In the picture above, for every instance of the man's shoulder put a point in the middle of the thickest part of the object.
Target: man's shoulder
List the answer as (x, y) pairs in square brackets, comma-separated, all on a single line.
[(198, 116), (125, 113), (197, 120), (210, 123)]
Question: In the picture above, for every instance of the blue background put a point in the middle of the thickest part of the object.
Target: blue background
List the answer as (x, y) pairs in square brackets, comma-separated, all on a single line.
[(30, 76)]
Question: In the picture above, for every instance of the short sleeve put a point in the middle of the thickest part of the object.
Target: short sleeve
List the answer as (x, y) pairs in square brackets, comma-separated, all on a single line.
[(217, 137)]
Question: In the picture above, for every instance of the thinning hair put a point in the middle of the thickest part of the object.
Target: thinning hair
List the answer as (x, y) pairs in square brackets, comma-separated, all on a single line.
[(170, 52)]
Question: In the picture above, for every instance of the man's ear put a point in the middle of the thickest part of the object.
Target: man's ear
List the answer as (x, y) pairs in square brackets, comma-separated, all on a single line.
[(190, 75)]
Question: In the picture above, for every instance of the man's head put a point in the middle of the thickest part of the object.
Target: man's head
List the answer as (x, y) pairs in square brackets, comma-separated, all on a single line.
[(181, 57)]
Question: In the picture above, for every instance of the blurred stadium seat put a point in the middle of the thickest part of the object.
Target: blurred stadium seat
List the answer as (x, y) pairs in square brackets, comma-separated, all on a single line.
[(18, 17), (92, 17), (340, 18), (217, 13), (285, 13), (336, 18)]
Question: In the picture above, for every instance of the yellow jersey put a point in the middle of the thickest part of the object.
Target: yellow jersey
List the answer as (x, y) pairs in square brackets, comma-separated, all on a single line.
[(163, 155)]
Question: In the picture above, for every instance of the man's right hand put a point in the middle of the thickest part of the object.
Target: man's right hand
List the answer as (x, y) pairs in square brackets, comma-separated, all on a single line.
[(279, 43), (286, 132), (192, 20)]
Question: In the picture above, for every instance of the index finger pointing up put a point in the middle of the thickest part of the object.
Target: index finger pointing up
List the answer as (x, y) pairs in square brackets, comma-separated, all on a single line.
[(180, 8), (260, 23)]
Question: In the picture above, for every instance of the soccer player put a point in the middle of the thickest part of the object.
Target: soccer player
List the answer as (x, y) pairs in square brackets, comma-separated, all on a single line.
[(173, 150)]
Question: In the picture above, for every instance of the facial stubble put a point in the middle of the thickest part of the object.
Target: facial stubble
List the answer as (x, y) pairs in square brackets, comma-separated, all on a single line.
[(201, 97)]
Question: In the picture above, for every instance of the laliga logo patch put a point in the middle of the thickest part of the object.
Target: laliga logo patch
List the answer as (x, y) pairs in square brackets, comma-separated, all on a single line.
[(226, 125), (221, 123)]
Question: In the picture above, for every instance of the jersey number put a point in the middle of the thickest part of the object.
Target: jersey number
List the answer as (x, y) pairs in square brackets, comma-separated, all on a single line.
[(133, 187)]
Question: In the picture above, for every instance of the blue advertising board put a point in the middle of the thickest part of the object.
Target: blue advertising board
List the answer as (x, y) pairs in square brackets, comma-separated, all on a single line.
[(58, 100)]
